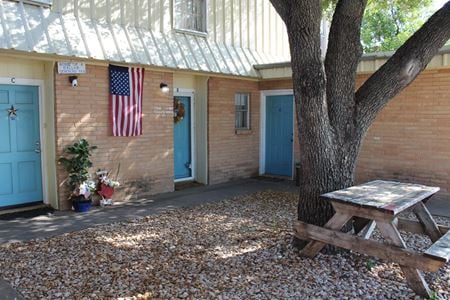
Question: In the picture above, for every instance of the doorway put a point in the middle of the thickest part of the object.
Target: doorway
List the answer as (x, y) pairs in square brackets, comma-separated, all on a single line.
[(183, 137), (277, 136), (20, 146)]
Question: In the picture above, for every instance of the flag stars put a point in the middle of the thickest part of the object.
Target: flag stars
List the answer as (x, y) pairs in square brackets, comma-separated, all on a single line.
[(120, 81)]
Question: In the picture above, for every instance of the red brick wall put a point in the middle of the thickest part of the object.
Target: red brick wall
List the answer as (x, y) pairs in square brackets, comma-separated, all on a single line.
[(279, 84), (409, 141), (410, 138), (231, 155), (146, 162)]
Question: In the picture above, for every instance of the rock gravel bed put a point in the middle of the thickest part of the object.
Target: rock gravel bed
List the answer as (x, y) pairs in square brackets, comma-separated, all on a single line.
[(235, 249)]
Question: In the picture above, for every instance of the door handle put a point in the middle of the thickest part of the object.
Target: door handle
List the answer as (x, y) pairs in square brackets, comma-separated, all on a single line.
[(37, 149)]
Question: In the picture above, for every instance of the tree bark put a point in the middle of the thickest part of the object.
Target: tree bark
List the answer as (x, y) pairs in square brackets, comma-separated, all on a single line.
[(332, 119), (327, 159)]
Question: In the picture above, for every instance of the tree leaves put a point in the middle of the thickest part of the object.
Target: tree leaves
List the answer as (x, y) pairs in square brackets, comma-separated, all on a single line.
[(388, 24)]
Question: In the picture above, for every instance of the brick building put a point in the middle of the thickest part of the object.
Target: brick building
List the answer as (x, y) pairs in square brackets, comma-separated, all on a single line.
[(224, 59)]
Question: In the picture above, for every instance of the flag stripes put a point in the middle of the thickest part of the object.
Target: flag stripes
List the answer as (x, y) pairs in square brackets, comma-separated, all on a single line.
[(126, 88)]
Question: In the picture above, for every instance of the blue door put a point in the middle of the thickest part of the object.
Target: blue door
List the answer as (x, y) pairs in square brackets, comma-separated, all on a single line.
[(182, 140), (20, 158), (279, 135)]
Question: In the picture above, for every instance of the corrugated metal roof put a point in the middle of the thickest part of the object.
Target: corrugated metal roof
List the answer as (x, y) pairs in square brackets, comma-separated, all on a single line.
[(36, 29)]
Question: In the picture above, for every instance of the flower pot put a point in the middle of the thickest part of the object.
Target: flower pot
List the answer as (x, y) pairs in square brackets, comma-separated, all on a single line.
[(106, 191), (80, 204)]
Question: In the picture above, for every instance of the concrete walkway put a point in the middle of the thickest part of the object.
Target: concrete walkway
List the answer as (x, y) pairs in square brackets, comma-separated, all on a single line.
[(62, 222)]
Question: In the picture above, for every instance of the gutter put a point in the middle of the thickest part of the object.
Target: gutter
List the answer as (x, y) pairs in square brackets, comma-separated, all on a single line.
[(365, 57)]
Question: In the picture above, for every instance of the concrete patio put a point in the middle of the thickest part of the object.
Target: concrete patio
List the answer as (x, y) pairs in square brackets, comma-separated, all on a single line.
[(61, 222)]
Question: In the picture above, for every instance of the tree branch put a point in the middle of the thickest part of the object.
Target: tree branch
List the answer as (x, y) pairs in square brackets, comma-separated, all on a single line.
[(282, 7), (403, 67), (343, 54)]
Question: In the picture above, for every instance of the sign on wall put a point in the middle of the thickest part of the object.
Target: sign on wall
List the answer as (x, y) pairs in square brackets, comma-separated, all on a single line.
[(71, 67)]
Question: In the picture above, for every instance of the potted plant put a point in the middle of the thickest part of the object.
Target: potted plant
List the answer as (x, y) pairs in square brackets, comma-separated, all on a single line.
[(77, 164)]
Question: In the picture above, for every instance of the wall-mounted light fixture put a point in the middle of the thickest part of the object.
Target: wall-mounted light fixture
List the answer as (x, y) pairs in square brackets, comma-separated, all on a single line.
[(164, 87), (73, 80)]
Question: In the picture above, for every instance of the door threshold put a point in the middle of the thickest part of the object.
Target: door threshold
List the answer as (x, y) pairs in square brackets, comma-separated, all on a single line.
[(184, 179), (275, 177), (187, 185), (13, 210)]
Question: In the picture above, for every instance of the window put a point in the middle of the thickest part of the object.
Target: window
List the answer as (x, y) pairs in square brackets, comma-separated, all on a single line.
[(190, 15), (241, 103)]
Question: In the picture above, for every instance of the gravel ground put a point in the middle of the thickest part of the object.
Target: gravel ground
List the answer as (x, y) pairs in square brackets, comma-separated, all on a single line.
[(236, 249)]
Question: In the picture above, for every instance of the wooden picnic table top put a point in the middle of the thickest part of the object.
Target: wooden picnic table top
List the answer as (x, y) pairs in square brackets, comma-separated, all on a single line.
[(390, 197)]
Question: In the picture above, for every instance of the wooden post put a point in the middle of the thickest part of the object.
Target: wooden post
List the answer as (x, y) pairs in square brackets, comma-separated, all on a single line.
[(359, 224), (335, 223), (368, 230), (425, 218), (417, 227), (413, 276)]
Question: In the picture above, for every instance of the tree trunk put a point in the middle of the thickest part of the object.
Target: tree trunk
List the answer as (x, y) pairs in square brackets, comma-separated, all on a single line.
[(332, 118), (320, 172), (316, 180), (327, 153)]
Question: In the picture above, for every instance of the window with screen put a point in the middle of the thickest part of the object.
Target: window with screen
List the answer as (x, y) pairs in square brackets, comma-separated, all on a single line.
[(190, 15), (242, 108)]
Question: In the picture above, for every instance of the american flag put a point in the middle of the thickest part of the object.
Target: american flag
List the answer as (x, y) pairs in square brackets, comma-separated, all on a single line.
[(126, 85)]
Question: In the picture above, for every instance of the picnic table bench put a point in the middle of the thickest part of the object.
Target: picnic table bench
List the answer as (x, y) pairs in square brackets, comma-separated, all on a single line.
[(378, 203)]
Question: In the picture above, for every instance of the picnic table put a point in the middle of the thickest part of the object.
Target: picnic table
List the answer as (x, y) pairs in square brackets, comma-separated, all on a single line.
[(378, 203)]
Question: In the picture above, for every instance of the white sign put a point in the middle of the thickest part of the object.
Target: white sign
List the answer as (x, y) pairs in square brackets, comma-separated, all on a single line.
[(71, 67)]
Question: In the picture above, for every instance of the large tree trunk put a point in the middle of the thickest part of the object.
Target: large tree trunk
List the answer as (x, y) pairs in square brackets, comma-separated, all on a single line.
[(324, 95), (319, 174), (332, 118), (329, 141)]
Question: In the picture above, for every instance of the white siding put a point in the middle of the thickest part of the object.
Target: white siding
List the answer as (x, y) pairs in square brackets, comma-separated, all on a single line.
[(229, 21), (240, 33)]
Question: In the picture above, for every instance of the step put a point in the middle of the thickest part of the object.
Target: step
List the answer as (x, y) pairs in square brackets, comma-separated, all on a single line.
[(441, 248), (21, 209)]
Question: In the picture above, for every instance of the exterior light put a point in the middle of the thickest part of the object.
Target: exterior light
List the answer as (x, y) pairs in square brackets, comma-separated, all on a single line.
[(73, 80), (164, 87)]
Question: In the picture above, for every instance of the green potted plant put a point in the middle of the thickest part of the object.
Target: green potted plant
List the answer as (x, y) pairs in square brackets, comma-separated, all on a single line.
[(77, 164)]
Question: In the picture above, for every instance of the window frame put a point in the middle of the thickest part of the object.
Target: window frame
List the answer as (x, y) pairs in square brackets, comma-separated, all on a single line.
[(204, 25), (248, 127)]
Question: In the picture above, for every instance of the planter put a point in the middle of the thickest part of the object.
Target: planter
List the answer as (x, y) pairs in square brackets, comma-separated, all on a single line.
[(81, 205), (106, 191)]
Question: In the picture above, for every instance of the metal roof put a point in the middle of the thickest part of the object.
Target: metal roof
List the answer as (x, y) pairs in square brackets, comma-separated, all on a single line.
[(37, 29)]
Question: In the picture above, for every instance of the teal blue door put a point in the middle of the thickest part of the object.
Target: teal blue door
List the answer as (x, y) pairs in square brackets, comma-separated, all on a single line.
[(279, 135), (20, 158), (182, 141)]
